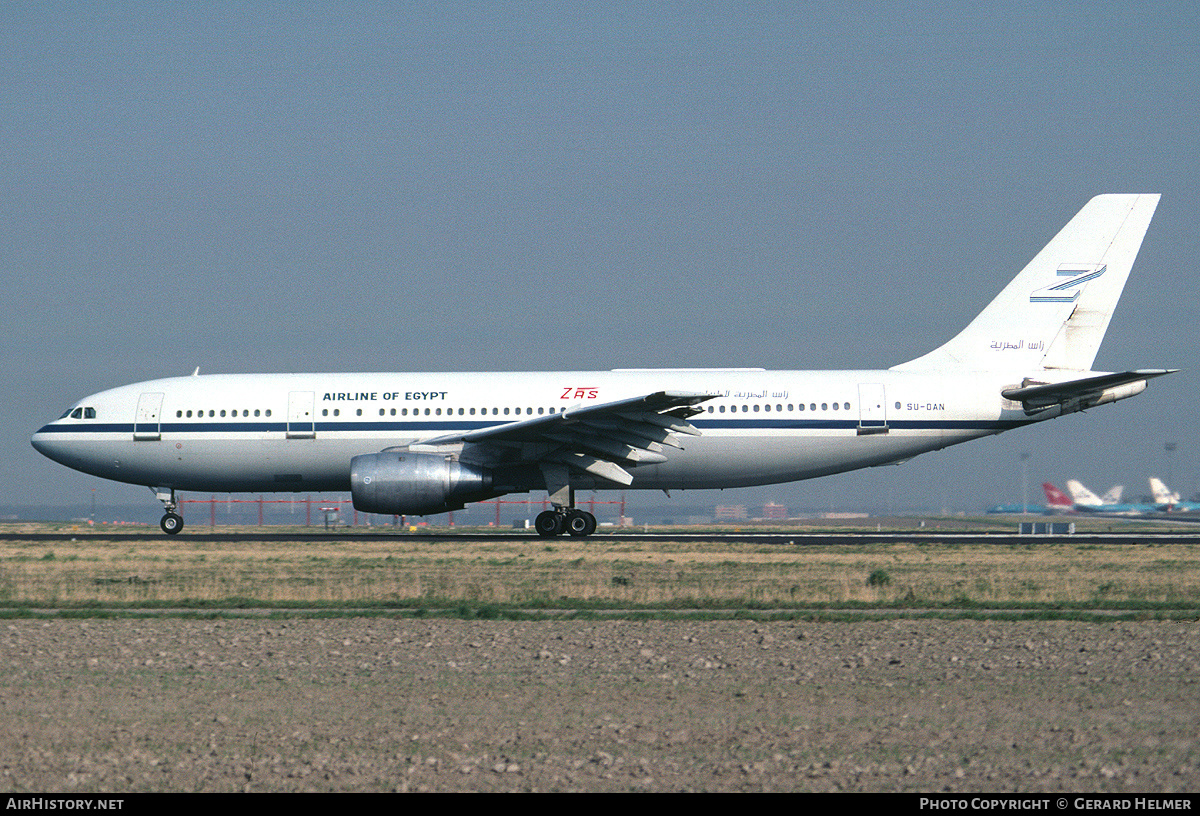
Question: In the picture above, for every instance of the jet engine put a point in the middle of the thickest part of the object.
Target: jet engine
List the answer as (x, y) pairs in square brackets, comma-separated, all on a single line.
[(415, 484)]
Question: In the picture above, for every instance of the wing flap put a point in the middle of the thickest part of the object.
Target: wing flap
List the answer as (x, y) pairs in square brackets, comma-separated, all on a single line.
[(603, 468), (599, 440)]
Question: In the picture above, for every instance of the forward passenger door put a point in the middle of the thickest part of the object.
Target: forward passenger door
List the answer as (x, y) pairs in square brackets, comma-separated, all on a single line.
[(147, 424)]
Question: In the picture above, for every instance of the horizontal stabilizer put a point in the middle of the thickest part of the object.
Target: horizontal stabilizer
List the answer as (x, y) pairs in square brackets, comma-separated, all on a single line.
[(1043, 395)]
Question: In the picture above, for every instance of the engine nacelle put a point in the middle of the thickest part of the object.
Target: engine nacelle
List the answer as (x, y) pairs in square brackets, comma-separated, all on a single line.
[(415, 484)]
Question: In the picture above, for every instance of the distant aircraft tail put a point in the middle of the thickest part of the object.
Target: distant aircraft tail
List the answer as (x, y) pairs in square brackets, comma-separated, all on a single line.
[(1081, 495), (1055, 498), (1113, 496), (1053, 315), (1162, 494)]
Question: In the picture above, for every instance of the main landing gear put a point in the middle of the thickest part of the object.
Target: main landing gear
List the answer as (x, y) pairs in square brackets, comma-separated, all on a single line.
[(552, 523), (171, 522), (564, 518)]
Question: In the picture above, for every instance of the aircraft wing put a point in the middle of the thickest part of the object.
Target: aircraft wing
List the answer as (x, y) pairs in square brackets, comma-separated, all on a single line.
[(1088, 390), (599, 439)]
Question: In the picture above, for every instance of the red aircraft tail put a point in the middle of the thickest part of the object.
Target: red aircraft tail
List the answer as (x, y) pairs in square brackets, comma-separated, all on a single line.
[(1056, 499)]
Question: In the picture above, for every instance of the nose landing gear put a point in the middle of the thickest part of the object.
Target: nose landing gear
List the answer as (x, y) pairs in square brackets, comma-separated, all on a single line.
[(171, 522)]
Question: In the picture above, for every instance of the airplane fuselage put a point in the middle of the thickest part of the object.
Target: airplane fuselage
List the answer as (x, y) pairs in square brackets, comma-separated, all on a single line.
[(294, 432)]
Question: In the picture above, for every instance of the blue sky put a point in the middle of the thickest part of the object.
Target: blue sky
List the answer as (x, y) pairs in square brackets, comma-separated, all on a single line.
[(289, 187)]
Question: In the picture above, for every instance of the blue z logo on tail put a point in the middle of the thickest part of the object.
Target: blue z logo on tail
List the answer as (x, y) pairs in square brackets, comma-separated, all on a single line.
[(1068, 291)]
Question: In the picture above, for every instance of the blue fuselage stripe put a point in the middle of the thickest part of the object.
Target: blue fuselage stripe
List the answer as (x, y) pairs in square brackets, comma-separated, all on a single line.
[(451, 426)]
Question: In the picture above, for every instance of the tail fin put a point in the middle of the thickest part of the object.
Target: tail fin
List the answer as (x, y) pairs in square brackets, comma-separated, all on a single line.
[(1055, 498), (1082, 496), (1113, 496), (1162, 493), (1053, 315)]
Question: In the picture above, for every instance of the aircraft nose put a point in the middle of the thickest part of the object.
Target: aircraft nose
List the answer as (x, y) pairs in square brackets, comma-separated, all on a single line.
[(38, 440), (46, 446)]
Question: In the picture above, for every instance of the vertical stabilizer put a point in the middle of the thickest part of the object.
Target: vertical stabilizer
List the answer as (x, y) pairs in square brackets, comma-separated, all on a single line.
[(1081, 495), (1055, 498), (1162, 493), (1053, 315)]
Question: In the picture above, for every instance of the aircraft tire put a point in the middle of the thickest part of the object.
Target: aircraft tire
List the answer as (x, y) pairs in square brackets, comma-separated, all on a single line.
[(171, 524), (548, 524), (580, 523)]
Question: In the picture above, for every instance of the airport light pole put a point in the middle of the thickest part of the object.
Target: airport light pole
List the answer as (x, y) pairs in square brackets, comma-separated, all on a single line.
[(1025, 483)]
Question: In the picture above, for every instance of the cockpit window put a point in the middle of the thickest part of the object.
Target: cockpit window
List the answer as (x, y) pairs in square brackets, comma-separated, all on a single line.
[(77, 413), (89, 413), (80, 412)]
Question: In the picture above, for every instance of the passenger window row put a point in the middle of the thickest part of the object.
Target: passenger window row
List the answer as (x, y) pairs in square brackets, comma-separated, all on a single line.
[(212, 412), (90, 413), (449, 412), (778, 407)]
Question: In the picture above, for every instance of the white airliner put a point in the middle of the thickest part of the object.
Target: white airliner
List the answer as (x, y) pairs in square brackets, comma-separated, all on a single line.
[(1085, 501), (1168, 500), (1084, 497), (418, 444)]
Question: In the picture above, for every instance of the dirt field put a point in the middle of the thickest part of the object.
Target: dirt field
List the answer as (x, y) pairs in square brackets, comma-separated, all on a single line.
[(382, 704)]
